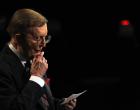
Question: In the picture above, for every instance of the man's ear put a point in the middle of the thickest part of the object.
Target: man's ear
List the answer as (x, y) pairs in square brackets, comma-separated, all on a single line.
[(18, 38), (15, 40)]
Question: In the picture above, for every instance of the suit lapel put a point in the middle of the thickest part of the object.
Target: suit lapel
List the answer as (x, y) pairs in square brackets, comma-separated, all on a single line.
[(49, 97)]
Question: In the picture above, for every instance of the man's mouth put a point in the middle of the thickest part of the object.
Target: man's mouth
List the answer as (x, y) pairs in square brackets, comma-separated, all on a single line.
[(36, 51)]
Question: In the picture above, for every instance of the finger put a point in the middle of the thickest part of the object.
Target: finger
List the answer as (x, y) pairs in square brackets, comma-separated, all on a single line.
[(39, 59), (44, 60), (34, 59), (34, 62), (42, 53), (41, 56), (68, 107), (72, 103), (37, 54), (74, 100), (37, 62), (37, 65), (46, 65)]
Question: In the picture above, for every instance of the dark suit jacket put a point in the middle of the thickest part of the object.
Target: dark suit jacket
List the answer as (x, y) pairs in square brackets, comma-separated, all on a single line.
[(17, 92)]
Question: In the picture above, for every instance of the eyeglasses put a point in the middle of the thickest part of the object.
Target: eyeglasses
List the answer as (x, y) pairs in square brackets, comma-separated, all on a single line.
[(46, 39)]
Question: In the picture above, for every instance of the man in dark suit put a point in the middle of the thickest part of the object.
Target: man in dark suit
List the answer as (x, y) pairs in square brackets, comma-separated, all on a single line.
[(23, 66)]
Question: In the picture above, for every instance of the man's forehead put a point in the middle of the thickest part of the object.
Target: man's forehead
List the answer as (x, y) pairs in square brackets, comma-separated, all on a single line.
[(41, 31)]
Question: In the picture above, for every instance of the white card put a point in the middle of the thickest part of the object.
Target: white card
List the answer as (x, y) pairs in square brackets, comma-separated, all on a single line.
[(72, 96)]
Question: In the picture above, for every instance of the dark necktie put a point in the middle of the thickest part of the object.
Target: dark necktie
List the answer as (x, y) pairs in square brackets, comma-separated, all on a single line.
[(27, 66), (26, 74)]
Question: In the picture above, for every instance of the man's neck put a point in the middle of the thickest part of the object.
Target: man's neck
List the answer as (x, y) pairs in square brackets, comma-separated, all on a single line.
[(15, 49)]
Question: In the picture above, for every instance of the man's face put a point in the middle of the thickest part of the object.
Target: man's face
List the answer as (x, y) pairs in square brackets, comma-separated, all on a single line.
[(36, 41)]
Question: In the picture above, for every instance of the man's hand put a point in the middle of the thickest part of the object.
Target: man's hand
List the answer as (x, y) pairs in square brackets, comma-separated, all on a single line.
[(70, 105), (39, 65)]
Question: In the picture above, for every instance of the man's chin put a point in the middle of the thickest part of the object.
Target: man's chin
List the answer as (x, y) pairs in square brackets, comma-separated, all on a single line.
[(37, 52)]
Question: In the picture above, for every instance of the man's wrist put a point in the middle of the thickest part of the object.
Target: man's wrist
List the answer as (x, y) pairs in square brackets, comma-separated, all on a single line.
[(38, 80)]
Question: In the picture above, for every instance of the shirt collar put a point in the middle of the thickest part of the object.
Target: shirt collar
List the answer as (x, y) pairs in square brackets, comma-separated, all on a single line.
[(23, 60)]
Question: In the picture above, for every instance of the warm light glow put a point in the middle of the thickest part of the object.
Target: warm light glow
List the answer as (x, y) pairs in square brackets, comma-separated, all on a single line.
[(124, 22)]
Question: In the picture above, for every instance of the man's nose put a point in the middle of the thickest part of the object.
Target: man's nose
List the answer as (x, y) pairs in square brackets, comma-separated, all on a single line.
[(43, 42)]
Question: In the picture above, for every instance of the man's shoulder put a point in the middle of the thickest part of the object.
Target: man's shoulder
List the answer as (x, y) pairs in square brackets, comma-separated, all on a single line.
[(5, 60), (6, 65), (3, 57), (7, 55)]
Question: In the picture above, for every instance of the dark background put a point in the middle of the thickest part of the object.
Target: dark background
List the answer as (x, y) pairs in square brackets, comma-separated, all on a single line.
[(86, 51)]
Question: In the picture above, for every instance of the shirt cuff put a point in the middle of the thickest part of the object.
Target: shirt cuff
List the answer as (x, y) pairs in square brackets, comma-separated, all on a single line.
[(38, 80)]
